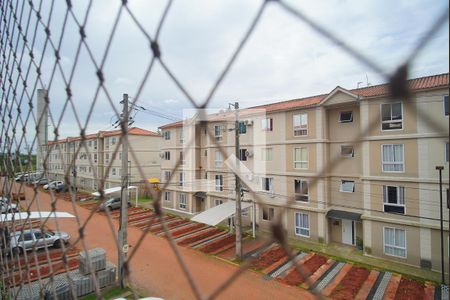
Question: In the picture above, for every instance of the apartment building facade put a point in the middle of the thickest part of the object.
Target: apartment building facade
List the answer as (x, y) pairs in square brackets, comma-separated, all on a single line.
[(356, 167), (100, 156)]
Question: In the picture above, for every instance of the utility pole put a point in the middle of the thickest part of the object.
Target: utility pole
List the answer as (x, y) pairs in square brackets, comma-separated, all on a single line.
[(238, 216), (440, 168), (123, 242)]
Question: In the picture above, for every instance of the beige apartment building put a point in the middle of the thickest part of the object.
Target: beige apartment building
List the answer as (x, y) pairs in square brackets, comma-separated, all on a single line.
[(358, 167), (101, 157)]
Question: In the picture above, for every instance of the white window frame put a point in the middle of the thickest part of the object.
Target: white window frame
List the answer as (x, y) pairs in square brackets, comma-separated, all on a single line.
[(391, 121), (182, 204), (218, 182), (166, 155), (267, 124), (218, 202), (341, 189), (301, 162), (263, 185), (345, 112), (270, 213), (167, 175), (218, 133), (400, 198), (302, 126), (218, 159), (242, 154), (181, 176), (299, 227), (394, 246), (167, 135), (352, 154), (182, 158), (113, 141), (266, 154), (402, 163), (167, 196), (181, 135), (301, 182)]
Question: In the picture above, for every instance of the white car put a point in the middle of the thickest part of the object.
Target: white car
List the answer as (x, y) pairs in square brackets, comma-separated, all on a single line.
[(22, 241), (52, 185), (6, 206)]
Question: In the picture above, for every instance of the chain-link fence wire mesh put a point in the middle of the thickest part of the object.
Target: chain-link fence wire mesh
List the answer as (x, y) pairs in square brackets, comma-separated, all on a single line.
[(24, 24)]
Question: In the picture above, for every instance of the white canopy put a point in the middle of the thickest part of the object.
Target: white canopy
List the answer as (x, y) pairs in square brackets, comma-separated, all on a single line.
[(34, 215), (112, 190), (217, 214)]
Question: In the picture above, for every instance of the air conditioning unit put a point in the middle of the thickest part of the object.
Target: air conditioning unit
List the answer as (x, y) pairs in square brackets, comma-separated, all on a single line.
[(249, 177), (161, 155), (248, 122), (248, 153)]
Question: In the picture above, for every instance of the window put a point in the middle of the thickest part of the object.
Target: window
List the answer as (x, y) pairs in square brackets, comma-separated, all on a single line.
[(301, 190), (242, 154), (114, 171), (267, 124), (95, 158), (242, 128), (268, 213), (113, 142), (206, 152), (182, 201), (181, 178), (266, 154), (107, 157), (166, 196), (107, 143), (95, 144), (90, 169), (166, 155), (181, 135), (218, 159), (347, 151), (394, 242), (346, 116), (266, 184), (219, 183), (218, 202), (167, 135), (120, 155), (446, 152), (218, 132), (391, 116), (392, 158), (90, 143), (301, 158), (446, 105), (300, 124), (394, 199), (347, 186), (167, 175), (181, 158), (302, 224)]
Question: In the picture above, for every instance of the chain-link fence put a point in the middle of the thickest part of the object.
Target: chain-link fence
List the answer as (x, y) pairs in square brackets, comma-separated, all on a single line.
[(33, 66)]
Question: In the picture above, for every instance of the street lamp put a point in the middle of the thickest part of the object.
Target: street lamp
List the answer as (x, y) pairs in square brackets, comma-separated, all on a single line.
[(440, 168)]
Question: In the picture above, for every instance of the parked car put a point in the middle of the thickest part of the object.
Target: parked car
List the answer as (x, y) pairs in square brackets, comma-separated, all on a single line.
[(27, 239), (6, 206), (52, 185), (20, 177), (41, 181), (112, 203), (61, 187)]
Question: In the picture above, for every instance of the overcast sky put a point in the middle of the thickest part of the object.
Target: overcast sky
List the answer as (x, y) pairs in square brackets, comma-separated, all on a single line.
[(284, 59)]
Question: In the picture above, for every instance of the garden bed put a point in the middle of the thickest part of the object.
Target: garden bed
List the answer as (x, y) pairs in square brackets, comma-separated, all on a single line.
[(200, 236), (351, 283), (185, 230), (409, 289), (269, 257), (308, 268), (219, 245), (159, 228)]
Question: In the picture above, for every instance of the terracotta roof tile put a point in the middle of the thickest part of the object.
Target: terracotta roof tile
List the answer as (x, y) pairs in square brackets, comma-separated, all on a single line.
[(416, 84)]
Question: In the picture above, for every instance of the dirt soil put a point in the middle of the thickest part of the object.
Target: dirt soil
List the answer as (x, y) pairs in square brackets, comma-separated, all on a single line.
[(154, 268), (269, 257), (309, 267), (409, 289), (218, 244), (351, 283)]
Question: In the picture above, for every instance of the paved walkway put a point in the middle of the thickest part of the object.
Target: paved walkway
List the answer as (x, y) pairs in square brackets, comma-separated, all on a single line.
[(154, 268)]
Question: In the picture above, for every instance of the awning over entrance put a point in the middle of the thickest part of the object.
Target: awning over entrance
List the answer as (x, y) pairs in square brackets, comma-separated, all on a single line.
[(200, 195), (34, 215), (217, 214), (341, 214)]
